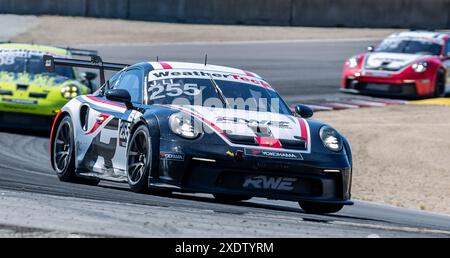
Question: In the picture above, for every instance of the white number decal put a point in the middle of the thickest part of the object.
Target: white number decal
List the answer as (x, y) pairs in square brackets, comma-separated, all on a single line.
[(7, 60), (172, 90), (159, 89), (191, 89), (174, 87)]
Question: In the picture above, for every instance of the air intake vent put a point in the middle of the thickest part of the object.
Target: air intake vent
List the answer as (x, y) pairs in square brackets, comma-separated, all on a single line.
[(294, 144), (6, 92), (22, 86), (240, 139), (38, 95)]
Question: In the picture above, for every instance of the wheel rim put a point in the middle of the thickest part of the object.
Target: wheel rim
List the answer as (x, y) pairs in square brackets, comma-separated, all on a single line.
[(137, 158), (63, 147)]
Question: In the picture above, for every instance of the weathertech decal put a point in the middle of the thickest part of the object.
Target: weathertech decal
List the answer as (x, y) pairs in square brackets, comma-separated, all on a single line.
[(273, 154), (158, 74), (172, 156)]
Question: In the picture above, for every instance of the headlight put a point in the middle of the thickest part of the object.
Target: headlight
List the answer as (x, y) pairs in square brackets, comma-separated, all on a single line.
[(330, 138), (70, 91), (420, 67), (184, 125), (353, 62)]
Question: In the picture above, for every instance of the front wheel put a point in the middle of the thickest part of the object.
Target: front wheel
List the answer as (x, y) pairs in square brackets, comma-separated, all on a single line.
[(64, 154), (439, 84), (319, 208), (139, 159)]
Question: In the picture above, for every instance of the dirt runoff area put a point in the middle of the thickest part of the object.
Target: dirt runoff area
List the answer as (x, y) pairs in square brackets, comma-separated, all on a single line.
[(401, 154), (78, 30)]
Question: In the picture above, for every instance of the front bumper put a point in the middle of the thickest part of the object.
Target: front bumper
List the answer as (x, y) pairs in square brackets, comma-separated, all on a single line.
[(405, 84), (26, 121), (31, 106), (381, 88), (318, 178)]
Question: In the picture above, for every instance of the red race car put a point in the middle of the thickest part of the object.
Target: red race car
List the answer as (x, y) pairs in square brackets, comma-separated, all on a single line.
[(405, 64)]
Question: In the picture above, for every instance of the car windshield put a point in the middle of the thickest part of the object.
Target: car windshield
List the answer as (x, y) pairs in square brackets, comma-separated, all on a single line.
[(32, 64), (409, 46), (203, 92)]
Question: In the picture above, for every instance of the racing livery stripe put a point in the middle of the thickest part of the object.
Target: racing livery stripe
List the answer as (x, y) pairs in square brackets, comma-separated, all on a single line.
[(263, 143), (211, 124), (268, 142), (96, 99), (303, 130), (249, 74), (98, 123), (105, 104), (165, 65)]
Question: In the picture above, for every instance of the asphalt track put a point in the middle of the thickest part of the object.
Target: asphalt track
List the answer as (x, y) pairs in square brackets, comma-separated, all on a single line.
[(299, 70)]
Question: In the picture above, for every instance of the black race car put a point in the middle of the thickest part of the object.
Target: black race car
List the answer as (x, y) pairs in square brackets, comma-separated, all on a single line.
[(199, 128)]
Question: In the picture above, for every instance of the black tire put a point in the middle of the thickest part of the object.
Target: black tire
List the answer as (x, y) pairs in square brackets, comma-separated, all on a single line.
[(139, 158), (439, 84), (320, 208), (230, 198), (64, 154)]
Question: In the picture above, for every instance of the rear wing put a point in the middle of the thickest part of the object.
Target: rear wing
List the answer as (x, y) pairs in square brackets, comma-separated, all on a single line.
[(81, 52), (72, 51), (95, 63)]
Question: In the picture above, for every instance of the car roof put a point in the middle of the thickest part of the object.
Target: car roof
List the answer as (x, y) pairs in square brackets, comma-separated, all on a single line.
[(427, 35), (37, 48), (201, 67)]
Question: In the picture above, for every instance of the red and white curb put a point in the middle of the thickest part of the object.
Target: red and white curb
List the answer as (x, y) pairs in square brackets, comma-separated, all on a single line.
[(349, 103)]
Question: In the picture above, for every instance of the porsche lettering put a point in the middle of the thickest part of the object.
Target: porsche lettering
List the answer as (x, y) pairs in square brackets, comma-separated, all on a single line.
[(237, 120)]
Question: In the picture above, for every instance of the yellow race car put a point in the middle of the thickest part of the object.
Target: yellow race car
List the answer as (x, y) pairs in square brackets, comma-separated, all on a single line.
[(30, 97)]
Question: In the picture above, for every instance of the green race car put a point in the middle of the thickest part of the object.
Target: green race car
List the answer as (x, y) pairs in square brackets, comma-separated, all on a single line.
[(30, 97)]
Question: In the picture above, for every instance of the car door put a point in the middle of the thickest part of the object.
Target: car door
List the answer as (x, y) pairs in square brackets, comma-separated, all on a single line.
[(108, 126)]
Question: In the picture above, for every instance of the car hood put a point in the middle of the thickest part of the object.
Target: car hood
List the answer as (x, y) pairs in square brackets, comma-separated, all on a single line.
[(233, 122), (45, 81), (391, 61)]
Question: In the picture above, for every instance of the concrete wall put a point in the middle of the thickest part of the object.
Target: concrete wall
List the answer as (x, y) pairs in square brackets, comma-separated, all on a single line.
[(56, 7), (372, 13), (349, 13)]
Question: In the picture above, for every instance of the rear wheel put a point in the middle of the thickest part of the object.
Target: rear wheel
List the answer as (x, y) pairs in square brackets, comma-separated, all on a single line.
[(439, 84), (64, 154), (138, 160), (319, 208), (229, 198)]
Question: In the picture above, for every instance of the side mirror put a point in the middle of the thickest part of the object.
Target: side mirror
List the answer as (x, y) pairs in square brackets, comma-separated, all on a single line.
[(370, 48), (89, 76), (119, 95), (304, 111)]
